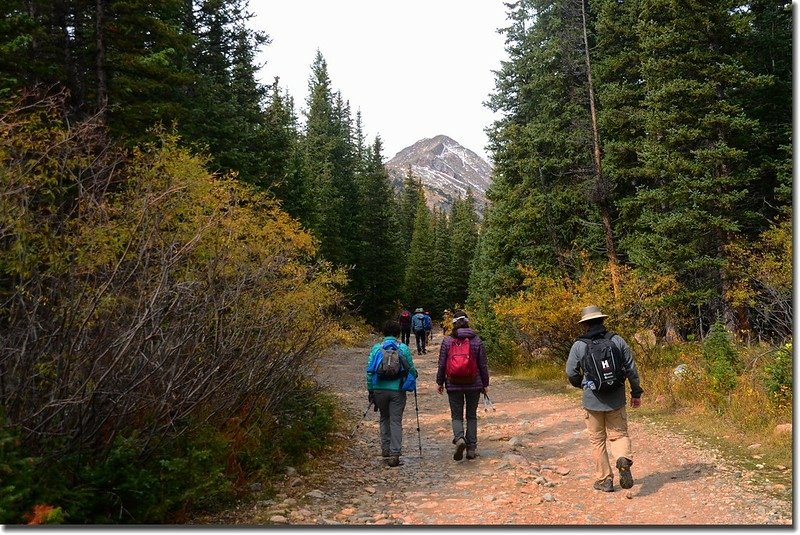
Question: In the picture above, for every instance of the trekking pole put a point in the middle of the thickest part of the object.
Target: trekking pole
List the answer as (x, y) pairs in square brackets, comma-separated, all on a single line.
[(361, 420), (419, 436)]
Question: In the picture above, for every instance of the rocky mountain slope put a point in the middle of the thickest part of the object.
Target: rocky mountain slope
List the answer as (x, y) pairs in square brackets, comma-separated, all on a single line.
[(446, 169)]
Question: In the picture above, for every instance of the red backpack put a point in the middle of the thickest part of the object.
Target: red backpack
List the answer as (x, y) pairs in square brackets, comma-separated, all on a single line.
[(461, 368)]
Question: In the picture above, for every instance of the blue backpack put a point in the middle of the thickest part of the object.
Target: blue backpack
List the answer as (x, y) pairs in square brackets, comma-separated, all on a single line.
[(418, 322), (389, 364)]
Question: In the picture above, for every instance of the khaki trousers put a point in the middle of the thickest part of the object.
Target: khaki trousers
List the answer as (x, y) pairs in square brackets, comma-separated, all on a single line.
[(611, 427)]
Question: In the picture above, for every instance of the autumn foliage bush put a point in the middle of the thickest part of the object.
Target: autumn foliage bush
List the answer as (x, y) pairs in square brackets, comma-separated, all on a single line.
[(143, 300), (546, 311)]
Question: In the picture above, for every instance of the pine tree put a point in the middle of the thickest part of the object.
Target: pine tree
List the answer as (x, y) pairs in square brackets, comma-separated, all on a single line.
[(541, 214), (282, 153), (376, 278), (695, 156), (227, 104), (409, 201), (419, 282), (318, 141), (463, 247), (443, 276)]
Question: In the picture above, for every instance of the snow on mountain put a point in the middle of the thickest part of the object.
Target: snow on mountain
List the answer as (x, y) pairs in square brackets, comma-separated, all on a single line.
[(446, 169)]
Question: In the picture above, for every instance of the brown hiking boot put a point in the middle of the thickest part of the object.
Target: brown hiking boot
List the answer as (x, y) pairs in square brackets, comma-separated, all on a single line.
[(607, 485), (461, 445), (471, 453), (625, 476), (393, 460)]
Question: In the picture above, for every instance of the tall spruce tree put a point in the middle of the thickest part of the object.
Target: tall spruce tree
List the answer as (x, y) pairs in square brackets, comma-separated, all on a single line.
[(443, 276), (695, 198), (376, 278), (282, 155), (541, 213), (463, 247), (419, 275), (318, 142)]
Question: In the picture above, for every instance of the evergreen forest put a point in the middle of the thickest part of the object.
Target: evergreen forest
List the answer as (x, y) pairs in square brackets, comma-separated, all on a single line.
[(179, 241)]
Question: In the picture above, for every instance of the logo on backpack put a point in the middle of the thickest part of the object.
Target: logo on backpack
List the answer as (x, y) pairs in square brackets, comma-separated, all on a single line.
[(602, 364), (461, 368)]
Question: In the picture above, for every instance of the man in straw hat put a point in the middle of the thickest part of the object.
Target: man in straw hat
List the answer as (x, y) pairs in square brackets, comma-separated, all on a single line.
[(599, 362)]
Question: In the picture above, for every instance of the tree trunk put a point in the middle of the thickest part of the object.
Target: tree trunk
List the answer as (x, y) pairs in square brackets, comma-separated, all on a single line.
[(551, 227), (64, 24), (601, 189), (100, 61)]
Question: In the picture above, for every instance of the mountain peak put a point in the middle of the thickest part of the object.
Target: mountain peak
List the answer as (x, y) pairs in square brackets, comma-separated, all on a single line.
[(446, 168)]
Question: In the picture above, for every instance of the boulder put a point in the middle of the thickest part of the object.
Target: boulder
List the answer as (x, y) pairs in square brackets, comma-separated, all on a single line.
[(783, 428)]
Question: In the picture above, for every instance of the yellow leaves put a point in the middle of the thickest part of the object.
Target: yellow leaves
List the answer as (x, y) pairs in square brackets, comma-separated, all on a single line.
[(765, 264), (546, 312)]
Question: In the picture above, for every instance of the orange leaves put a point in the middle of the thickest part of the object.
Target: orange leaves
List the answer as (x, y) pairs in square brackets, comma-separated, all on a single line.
[(44, 514)]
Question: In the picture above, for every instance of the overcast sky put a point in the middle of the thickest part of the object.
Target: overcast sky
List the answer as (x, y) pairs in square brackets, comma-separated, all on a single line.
[(415, 68)]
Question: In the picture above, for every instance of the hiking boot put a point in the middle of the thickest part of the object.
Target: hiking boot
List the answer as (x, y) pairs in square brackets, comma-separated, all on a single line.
[(461, 445), (385, 453), (625, 476), (394, 460), (471, 454), (607, 485)]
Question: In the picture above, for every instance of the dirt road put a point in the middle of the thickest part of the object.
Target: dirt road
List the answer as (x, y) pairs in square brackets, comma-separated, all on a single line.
[(533, 468)]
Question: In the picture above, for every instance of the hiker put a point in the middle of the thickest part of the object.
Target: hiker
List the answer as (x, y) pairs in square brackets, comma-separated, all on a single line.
[(418, 326), (464, 372), (386, 392), (405, 326), (604, 395), (428, 327)]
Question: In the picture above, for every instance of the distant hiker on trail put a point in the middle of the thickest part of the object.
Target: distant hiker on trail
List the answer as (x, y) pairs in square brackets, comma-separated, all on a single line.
[(389, 363), (464, 371), (599, 362), (418, 326), (405, 326), (428, 327)]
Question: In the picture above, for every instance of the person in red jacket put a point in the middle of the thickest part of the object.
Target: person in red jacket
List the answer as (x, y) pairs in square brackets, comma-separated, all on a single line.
[(405, 326), (464, 372)]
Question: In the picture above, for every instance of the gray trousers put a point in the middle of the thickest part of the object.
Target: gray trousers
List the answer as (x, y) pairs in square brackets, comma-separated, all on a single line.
[(457, 402), (391, 404)]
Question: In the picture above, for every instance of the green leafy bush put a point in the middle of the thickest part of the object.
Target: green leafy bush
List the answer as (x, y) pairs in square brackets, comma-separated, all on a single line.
[(778, 378), (722, 361), (16, 476)]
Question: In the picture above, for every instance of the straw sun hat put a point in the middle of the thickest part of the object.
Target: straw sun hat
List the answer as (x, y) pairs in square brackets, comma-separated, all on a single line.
[(591, 312)]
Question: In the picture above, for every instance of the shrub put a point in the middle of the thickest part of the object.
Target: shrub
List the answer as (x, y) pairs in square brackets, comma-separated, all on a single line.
[(721, 359), (45, 514), (545, 313), (145, 303), (16, 475), (762, 279), (499, 339), (778, 377)]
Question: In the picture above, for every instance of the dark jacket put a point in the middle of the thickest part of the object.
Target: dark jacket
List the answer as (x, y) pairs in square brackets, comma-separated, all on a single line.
[(476, 351)]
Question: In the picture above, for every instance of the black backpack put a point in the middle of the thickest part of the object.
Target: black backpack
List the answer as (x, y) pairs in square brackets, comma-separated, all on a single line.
[(602, 363)]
